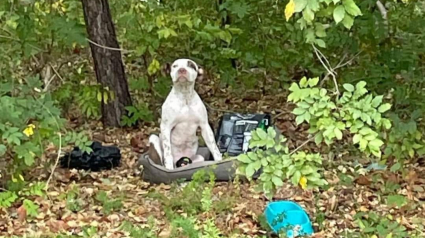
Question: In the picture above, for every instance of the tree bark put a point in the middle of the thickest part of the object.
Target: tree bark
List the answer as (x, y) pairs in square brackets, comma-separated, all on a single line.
[(108, 63)]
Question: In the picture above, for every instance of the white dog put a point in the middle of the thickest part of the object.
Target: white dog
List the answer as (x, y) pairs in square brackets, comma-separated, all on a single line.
[(183, 112)]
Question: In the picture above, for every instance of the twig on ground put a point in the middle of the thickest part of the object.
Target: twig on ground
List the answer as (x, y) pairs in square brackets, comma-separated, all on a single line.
[(56, 162), (303, 144), (57, 73)]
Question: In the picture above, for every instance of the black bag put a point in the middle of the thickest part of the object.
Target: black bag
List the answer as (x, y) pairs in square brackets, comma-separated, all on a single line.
[(234, 128), (102, 157)]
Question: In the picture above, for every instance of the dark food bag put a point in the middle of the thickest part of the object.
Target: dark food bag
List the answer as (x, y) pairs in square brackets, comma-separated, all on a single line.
[(102, 157), (232, 126)]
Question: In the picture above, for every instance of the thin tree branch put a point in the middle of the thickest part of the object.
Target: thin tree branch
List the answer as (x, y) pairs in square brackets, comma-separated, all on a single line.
[(109, 48), (383, 11), (56, 162), (330, 71), (303, 144)]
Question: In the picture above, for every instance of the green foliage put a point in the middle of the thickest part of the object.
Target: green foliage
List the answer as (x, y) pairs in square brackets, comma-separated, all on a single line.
[(356, 112), (404, 141), (313, 12), (7, 198), (73, 202), (146, 232), (278, 164), (135, 114), (109, 205), (195, 197), (30, 121), (89, 102), (373, 224)]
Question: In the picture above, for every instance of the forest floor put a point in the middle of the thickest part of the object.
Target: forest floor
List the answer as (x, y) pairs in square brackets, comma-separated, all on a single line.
[(74, 205)]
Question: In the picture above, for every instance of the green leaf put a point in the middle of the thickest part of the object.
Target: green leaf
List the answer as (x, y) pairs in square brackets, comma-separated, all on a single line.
[(313, 5), (277, 181), (376, 143), (348, 21), (313, 82), (360, 85), (303, 82), (321, 43), (320, 30), (307, 170), (356, 138), (298, 111), (294, 87), (299, 120), (308, 15), (244, 158), (395, 167), (338, 14), (261, 133), (377, 101), (338, 133), (300, 5), (398, 200), (249, 170), (363, 144), (296, 177), (384, 107), (3, 150), (348, 87), (318, 138), (351, 7)]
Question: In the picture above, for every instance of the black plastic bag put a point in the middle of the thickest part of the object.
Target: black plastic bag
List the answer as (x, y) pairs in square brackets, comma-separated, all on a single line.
[(101, 158)]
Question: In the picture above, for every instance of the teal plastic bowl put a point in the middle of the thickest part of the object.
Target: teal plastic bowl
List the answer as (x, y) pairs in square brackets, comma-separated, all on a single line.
[(287, 214)]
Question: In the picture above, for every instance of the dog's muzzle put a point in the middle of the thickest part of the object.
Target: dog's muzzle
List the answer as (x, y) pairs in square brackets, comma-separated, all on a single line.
[(182, 75)]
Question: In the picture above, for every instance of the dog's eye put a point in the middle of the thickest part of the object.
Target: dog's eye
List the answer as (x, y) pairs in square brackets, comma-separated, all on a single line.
[(190, 64), (174, 66)]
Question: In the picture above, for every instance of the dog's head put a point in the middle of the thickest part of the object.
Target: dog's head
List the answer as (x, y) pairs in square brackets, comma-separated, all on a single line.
[(184, 70)]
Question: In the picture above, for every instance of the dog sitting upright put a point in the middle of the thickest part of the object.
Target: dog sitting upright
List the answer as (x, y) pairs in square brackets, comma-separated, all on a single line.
[(183, 112)]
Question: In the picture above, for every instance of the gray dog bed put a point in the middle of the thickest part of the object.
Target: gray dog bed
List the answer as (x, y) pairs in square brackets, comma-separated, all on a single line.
[(224, 170)]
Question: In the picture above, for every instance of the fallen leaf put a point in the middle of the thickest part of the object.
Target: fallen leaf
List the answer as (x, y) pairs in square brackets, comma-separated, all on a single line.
[(22, 213), (363, 180)]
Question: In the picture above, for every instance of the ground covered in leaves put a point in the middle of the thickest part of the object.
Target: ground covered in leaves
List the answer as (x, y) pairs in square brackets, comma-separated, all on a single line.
[(107, 203)]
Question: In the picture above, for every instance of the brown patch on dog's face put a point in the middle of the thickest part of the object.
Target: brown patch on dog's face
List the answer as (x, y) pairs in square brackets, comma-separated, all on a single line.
[(192, 65)]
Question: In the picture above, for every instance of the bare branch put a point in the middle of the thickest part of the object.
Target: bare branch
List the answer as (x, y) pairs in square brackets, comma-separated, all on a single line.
[(109, 48), (56, 162), (330, 71), (383, 11), (303, 144)]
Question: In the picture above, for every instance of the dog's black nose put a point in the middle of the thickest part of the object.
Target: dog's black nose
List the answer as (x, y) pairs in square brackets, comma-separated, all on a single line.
[(182, 71)]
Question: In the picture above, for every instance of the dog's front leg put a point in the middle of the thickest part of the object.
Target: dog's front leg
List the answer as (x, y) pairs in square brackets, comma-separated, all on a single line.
[(166, 144), (208, 136)]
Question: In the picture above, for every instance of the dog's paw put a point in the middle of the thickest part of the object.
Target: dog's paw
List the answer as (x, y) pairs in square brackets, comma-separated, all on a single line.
[(218, 157)]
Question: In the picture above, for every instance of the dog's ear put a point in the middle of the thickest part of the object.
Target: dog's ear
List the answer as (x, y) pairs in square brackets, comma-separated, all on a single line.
[(201, 74), (166, 69)]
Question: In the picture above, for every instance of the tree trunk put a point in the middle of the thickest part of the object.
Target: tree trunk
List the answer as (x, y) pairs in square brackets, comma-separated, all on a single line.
[(108, 63)]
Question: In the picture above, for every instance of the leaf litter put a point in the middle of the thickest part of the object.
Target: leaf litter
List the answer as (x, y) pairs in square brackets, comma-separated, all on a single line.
[(332, 210)]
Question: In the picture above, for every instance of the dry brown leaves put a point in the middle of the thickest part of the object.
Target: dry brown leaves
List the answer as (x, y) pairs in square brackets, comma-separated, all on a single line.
[(331, 211)]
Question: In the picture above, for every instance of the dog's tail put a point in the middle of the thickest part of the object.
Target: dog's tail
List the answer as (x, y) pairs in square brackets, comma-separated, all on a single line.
[(155, 149)]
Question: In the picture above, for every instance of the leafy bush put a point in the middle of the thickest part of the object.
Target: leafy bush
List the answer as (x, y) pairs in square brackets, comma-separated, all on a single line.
[(355, 110), (329, 118), (278, 163)]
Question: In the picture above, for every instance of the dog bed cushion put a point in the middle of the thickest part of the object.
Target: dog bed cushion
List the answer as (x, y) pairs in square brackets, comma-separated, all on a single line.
[(224, 170)]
